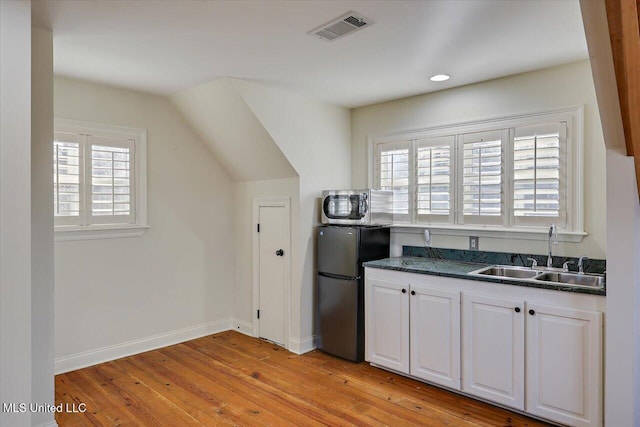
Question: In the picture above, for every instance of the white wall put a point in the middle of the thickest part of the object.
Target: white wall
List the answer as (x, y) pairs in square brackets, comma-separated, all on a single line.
[(42, 290), (15, 210), (622, 344), (623, 292), (566, 85), (177, 276), (315, 138), (244, 231)]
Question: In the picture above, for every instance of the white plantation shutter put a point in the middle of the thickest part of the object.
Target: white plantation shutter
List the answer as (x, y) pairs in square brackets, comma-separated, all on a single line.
[(539, 154), (95, 177), (434, 180), (67, 178), (520, 172), (393, 173), (482, 177), (111, 183)]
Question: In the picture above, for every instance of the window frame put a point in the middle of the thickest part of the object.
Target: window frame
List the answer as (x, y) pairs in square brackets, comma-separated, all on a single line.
[(435, 142), (400, 144), (564, 180), (73, 139), (482, 220), (98, 229), (573, 230)]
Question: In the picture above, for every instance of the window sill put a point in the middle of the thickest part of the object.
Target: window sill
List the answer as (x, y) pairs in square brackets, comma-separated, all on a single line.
[(91, 232), (521, 233)]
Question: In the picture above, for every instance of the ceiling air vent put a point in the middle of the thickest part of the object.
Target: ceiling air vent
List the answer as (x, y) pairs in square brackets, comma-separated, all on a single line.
[(346, 24)]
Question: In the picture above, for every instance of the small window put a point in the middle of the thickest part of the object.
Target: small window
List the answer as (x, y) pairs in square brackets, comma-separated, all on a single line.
[(434, 183), (482, 177), (98, 176), (67, 167), (110, 181), (393, 168), (538, 156)]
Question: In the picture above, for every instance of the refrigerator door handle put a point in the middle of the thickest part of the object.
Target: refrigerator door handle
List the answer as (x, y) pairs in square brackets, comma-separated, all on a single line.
[(337, 276)]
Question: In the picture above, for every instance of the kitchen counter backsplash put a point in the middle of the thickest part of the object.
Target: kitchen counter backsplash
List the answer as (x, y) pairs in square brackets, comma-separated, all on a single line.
[(502, 258)]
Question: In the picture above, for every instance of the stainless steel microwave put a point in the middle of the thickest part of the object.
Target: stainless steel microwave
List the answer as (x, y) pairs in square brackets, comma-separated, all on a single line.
[(357, 207)]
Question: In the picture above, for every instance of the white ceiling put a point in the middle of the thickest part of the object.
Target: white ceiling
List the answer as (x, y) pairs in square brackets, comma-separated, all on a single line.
[(166, 47)]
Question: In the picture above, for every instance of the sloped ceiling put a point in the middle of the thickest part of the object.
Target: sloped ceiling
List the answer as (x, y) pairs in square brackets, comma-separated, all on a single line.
[(233, 133)]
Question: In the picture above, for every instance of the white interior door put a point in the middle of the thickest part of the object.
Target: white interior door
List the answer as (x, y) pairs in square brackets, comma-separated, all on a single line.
[(273, 253)]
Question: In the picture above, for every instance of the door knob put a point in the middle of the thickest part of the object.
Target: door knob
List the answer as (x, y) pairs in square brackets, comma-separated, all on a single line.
[(280, 252)]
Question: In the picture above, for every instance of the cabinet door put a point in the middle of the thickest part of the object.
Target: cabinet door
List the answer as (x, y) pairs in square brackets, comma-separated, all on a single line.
[(435, 336), (387, 324), (493, 349), (564, 364)]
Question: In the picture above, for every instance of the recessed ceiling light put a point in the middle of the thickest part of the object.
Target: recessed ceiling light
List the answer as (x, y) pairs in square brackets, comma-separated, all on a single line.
[(439, 78)]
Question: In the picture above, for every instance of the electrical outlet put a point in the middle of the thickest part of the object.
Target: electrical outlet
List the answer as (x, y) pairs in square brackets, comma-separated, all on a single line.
[(473, 243)]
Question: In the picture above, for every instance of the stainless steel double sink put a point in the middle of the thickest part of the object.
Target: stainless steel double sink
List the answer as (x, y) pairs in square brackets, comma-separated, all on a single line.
[(541, 275)]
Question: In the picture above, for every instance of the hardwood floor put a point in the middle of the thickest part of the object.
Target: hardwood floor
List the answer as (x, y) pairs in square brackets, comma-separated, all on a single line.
[(232, 379)]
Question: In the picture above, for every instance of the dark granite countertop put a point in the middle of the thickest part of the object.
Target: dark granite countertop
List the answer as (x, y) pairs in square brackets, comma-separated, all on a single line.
[(460, 269)]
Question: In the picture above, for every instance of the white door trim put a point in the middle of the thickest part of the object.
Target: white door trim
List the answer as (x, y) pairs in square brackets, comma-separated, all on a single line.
[(286, 204)]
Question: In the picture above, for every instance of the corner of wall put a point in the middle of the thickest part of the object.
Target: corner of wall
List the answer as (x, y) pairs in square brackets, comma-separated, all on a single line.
[(243, 327), (301, 346), (42, 270)]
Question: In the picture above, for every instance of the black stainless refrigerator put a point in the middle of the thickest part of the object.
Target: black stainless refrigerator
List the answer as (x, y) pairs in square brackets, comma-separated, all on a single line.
[(340, 295)]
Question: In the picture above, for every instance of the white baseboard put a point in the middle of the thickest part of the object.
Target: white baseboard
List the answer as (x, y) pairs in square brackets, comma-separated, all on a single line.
[(105, 354), (302, 346), (243, 327), (49, 424)]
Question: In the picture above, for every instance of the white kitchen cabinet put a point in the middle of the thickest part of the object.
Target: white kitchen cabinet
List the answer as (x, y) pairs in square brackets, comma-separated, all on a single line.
[(562, 353), (414, 330), (564, 364), (434, 322), (387, 324), (441, 327), (493, 349)]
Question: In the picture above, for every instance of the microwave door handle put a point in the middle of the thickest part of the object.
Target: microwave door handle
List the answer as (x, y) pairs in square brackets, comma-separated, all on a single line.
[(354, 200)]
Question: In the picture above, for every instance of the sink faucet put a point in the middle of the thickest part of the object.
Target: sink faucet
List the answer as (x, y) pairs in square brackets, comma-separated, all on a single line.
[(553, 234), (580, 261), (565, 266)]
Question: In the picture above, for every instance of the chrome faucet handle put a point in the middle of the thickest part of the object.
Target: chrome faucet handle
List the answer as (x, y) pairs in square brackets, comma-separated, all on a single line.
[(553, 234), (534, 263), (553, 238), (580, 264), (565, 266)]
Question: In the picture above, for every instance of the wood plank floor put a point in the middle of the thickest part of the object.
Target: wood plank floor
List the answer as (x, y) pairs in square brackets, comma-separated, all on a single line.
[(232, 379)]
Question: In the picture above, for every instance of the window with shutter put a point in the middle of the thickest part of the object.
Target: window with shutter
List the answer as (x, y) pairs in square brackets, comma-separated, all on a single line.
[(482, 177), (393, 172), (519, 172), (111, 184), (433, 187), (99, 179), (538, 155), (66, 178)]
